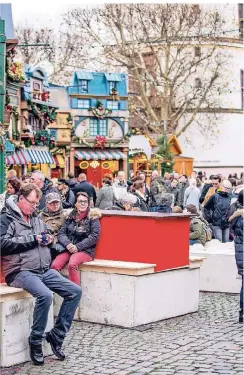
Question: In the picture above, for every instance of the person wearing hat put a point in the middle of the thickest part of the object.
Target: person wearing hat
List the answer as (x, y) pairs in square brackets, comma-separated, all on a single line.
[(67, 195), (78, 236), (216, 211), (53, 216)]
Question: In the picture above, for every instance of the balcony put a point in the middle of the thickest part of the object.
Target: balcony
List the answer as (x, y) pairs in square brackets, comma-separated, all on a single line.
[(43, 96)]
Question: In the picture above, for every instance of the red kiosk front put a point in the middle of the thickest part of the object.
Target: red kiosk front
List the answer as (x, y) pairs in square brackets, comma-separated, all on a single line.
[(145, 237)]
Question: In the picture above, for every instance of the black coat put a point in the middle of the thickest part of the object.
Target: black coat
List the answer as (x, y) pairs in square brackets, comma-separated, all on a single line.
[(141, 203), (236, 221), (216, 209), (72, 182), (83, 234), (205, 189), (88, 188), (69, 200)]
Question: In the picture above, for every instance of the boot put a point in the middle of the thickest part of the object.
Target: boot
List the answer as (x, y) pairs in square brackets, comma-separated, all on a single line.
[(241, 316), (36, 354), (56, 347)]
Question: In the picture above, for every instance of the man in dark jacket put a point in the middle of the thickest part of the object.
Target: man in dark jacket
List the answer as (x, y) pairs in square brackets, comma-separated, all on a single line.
[(26, 264), (183, 184), (215, 212), (72, 181), (157, 187), (46, 186), (215, 182), (86, 187), (236, 222), (173, 189)]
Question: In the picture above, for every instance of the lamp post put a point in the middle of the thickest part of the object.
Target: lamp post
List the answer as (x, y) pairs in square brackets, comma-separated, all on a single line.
[(2, 103)]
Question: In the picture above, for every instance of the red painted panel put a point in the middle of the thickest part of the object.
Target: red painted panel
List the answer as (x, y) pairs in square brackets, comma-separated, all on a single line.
[(162, 241)]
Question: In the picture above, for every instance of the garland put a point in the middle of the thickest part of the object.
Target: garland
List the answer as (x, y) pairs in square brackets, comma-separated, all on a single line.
[(42, 111), (100, 112), (14, 70), (43, 138)]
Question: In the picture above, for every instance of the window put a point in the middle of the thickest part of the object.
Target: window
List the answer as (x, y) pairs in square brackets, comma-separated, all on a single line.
[(84, 103), (36, 124), (240, 11), (102, 125), (98, 127), (197, 51), (242, 89), (84, 86), (112, 85), (112, 104), (93, 127), (36, 86)]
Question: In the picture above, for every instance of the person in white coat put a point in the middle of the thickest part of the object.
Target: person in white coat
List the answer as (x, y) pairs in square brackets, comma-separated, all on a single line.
[(192, 194)]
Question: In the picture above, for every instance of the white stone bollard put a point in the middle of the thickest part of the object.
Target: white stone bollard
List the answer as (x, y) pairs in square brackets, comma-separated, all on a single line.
[(16, 311), (218, 272)]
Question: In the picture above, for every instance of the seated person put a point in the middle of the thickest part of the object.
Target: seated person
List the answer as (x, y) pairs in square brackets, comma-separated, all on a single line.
[(53, 216), (78, 235), (197, 231)]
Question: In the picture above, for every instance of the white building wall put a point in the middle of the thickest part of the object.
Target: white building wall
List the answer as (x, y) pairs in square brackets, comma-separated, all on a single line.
[(221, 150)]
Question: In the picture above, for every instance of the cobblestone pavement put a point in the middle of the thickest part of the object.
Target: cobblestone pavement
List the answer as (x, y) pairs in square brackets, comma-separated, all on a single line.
[(205, 343)]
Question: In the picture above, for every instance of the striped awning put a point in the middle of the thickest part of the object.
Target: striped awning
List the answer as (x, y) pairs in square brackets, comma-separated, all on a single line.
[(59, 160), (99, 155), (20, 157), (40, 157)]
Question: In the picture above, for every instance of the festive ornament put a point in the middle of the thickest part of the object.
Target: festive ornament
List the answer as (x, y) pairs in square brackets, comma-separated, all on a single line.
[(100, 142), (94, 164), (84, 165)]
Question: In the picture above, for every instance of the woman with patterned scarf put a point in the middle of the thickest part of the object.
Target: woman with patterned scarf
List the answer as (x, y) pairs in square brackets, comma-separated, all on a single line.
[(78, 235)]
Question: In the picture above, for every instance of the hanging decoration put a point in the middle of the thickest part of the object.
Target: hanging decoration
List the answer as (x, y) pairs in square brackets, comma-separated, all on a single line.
[(106, 165), (43, 138), (100, 142), (84, 165), (94, 164), (115, 95), (14, 70), (16, 135), (42, 111), (29, 142), (100, 112)]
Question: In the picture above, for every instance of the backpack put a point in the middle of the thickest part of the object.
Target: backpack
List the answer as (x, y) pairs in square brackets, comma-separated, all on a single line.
[(207, 230)]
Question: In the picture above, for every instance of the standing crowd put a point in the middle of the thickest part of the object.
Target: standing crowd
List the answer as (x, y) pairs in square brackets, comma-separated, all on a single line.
[(48, 224)]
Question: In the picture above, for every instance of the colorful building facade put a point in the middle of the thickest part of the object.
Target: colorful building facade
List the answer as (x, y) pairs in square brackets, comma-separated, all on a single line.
[(99, 109)]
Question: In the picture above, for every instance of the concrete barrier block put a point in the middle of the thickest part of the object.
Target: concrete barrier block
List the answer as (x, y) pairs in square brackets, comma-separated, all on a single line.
[(218, 272), (15, 325), (129, 301)]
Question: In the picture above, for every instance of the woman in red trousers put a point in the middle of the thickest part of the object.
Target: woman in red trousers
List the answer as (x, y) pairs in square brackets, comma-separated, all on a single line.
[(78, 236)]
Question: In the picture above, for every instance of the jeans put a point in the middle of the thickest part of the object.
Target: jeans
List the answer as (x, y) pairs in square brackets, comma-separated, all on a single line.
[(41, 287), (241, 295), (193, 241), (74, 261), (221, 234), (154, 208)]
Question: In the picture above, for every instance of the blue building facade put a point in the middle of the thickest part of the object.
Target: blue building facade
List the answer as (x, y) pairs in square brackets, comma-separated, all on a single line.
[(99, 107)]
